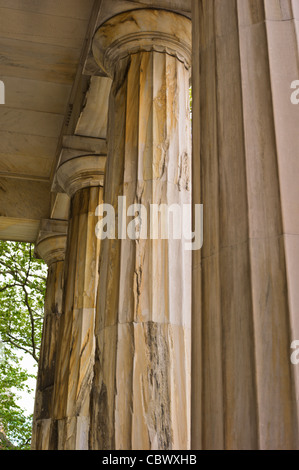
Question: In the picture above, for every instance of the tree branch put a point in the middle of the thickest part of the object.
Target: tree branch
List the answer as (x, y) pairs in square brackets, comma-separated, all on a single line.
[(32, 323), (14, 341), (8, 286)]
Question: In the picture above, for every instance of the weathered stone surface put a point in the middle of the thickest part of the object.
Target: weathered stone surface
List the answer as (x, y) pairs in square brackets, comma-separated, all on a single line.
[(245, 391), (67, 356), (51, 247), (76, 334), (76, 337), (141, 387)]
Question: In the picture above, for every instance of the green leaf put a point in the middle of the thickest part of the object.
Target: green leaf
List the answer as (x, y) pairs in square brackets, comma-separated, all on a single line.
[(22, 292)]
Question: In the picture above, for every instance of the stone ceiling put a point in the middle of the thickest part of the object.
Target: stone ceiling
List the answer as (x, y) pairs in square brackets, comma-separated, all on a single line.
[(52, 104)]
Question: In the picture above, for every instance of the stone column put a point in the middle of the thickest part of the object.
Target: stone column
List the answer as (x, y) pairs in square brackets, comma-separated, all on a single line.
[(50, 246), (82, 178), (245, 172), (142, 371)]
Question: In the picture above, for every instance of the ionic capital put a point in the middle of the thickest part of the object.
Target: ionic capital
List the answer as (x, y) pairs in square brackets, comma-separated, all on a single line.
[(51, 241), (142, 30)]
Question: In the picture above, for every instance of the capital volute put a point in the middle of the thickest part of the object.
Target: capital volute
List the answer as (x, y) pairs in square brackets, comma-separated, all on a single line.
[(81, 172), (51, 241), (142, 30)]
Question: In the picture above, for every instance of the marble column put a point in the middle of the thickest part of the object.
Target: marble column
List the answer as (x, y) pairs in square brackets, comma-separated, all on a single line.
[(82, 179), (245, 173), (50, 246), (141, 387)]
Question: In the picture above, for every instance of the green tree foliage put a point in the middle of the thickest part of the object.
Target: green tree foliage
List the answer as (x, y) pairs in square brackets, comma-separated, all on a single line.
[(22, 292)]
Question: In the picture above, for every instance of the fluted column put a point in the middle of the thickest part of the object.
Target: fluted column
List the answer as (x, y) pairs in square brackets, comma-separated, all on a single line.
[(82, 178), (142, 370), (50, 246), (245, 172)]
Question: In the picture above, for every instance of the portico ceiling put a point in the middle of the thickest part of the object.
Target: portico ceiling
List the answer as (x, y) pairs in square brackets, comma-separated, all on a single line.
[(51, 100)]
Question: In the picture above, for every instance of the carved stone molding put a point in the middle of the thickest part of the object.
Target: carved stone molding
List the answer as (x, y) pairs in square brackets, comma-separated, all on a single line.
[(51, 241), (81, 172), (142, 30)]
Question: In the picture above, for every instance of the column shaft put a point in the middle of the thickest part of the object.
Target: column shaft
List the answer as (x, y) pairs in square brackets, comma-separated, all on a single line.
[(142, 371), (245, 172), (76, 337), (50, 247)]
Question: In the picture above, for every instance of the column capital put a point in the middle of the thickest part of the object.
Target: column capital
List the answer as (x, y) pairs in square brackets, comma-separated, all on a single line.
[(51, 241), (142, 30), (80, 172)]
